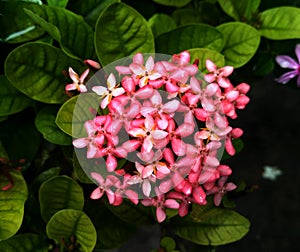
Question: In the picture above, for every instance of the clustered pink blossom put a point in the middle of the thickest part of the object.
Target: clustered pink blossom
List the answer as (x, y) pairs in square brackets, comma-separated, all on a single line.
[(176, 123)]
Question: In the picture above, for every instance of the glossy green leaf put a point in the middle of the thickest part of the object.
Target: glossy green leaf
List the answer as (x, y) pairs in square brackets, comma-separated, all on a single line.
[(11, 99), (213, 226), (239, 10), (69, 222), (187, 16), (15, 25), (75, 36), (90, 9), (280, 23), (58, 3), (187, 37), (12, 205), (241, 43), (75, 112), (57, 193), (45, 123), (18, 144), (203, 54), (161, 23), (121, 31), (111, 231), (25, 243), (175, 3), (40, 76)]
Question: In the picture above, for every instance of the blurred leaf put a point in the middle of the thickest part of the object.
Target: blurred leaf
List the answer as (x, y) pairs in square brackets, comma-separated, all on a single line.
[(75, 36), (280, 23), (12, 205), (3, 153), (121, 31), (175, 3), (203, 54), (20, 142), (58, 193), (215, 226), (168, 244), (58, 3), (69, 223), (90, 9), (75, 112), (161, 23), (45, 123), (239, 10), (263, 64), (25, 243), (111, 231), (15, 25), (187, 16), (11, 99), (241, 42), (189, 36), (36, 70)]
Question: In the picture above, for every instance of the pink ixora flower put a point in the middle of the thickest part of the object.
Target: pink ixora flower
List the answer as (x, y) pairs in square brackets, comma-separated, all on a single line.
[(78, 82), (108, 92), (287, 62)]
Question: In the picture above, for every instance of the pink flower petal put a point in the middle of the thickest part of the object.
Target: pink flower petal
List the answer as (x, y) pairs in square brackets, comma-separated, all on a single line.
[(159, 134), (146, 187), (171, 203), (71, 87), (100, 90), (97, 193), (96, 176), (160, 214), (80, 142), (170, 107)]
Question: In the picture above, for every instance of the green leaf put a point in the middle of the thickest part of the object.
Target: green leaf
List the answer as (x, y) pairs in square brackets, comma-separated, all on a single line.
[(121, 31), (161, 23), (175, 3), (263, 64), (203, 54), (20, 142), (45, 123), (12, 205), (214, 226), (168, 244), (67, 223), (111, 231), (58, 3), (75, 36), (241, 43), (25, 243), (239, 10), (58, 193), (15, 25), (187, 16), (75, 112), (36, 70), (280, 23), (190, 36), (11, 99), (90, 9)]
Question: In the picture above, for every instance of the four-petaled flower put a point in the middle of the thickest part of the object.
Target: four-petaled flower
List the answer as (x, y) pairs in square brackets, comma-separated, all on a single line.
[(287, 62), (78, 82), (108, 92)]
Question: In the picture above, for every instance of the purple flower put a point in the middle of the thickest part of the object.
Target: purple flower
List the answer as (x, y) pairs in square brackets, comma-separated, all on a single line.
[(287, 62)]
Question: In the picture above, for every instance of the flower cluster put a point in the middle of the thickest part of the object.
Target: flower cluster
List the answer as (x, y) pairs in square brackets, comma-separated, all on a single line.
[(176, 123)]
